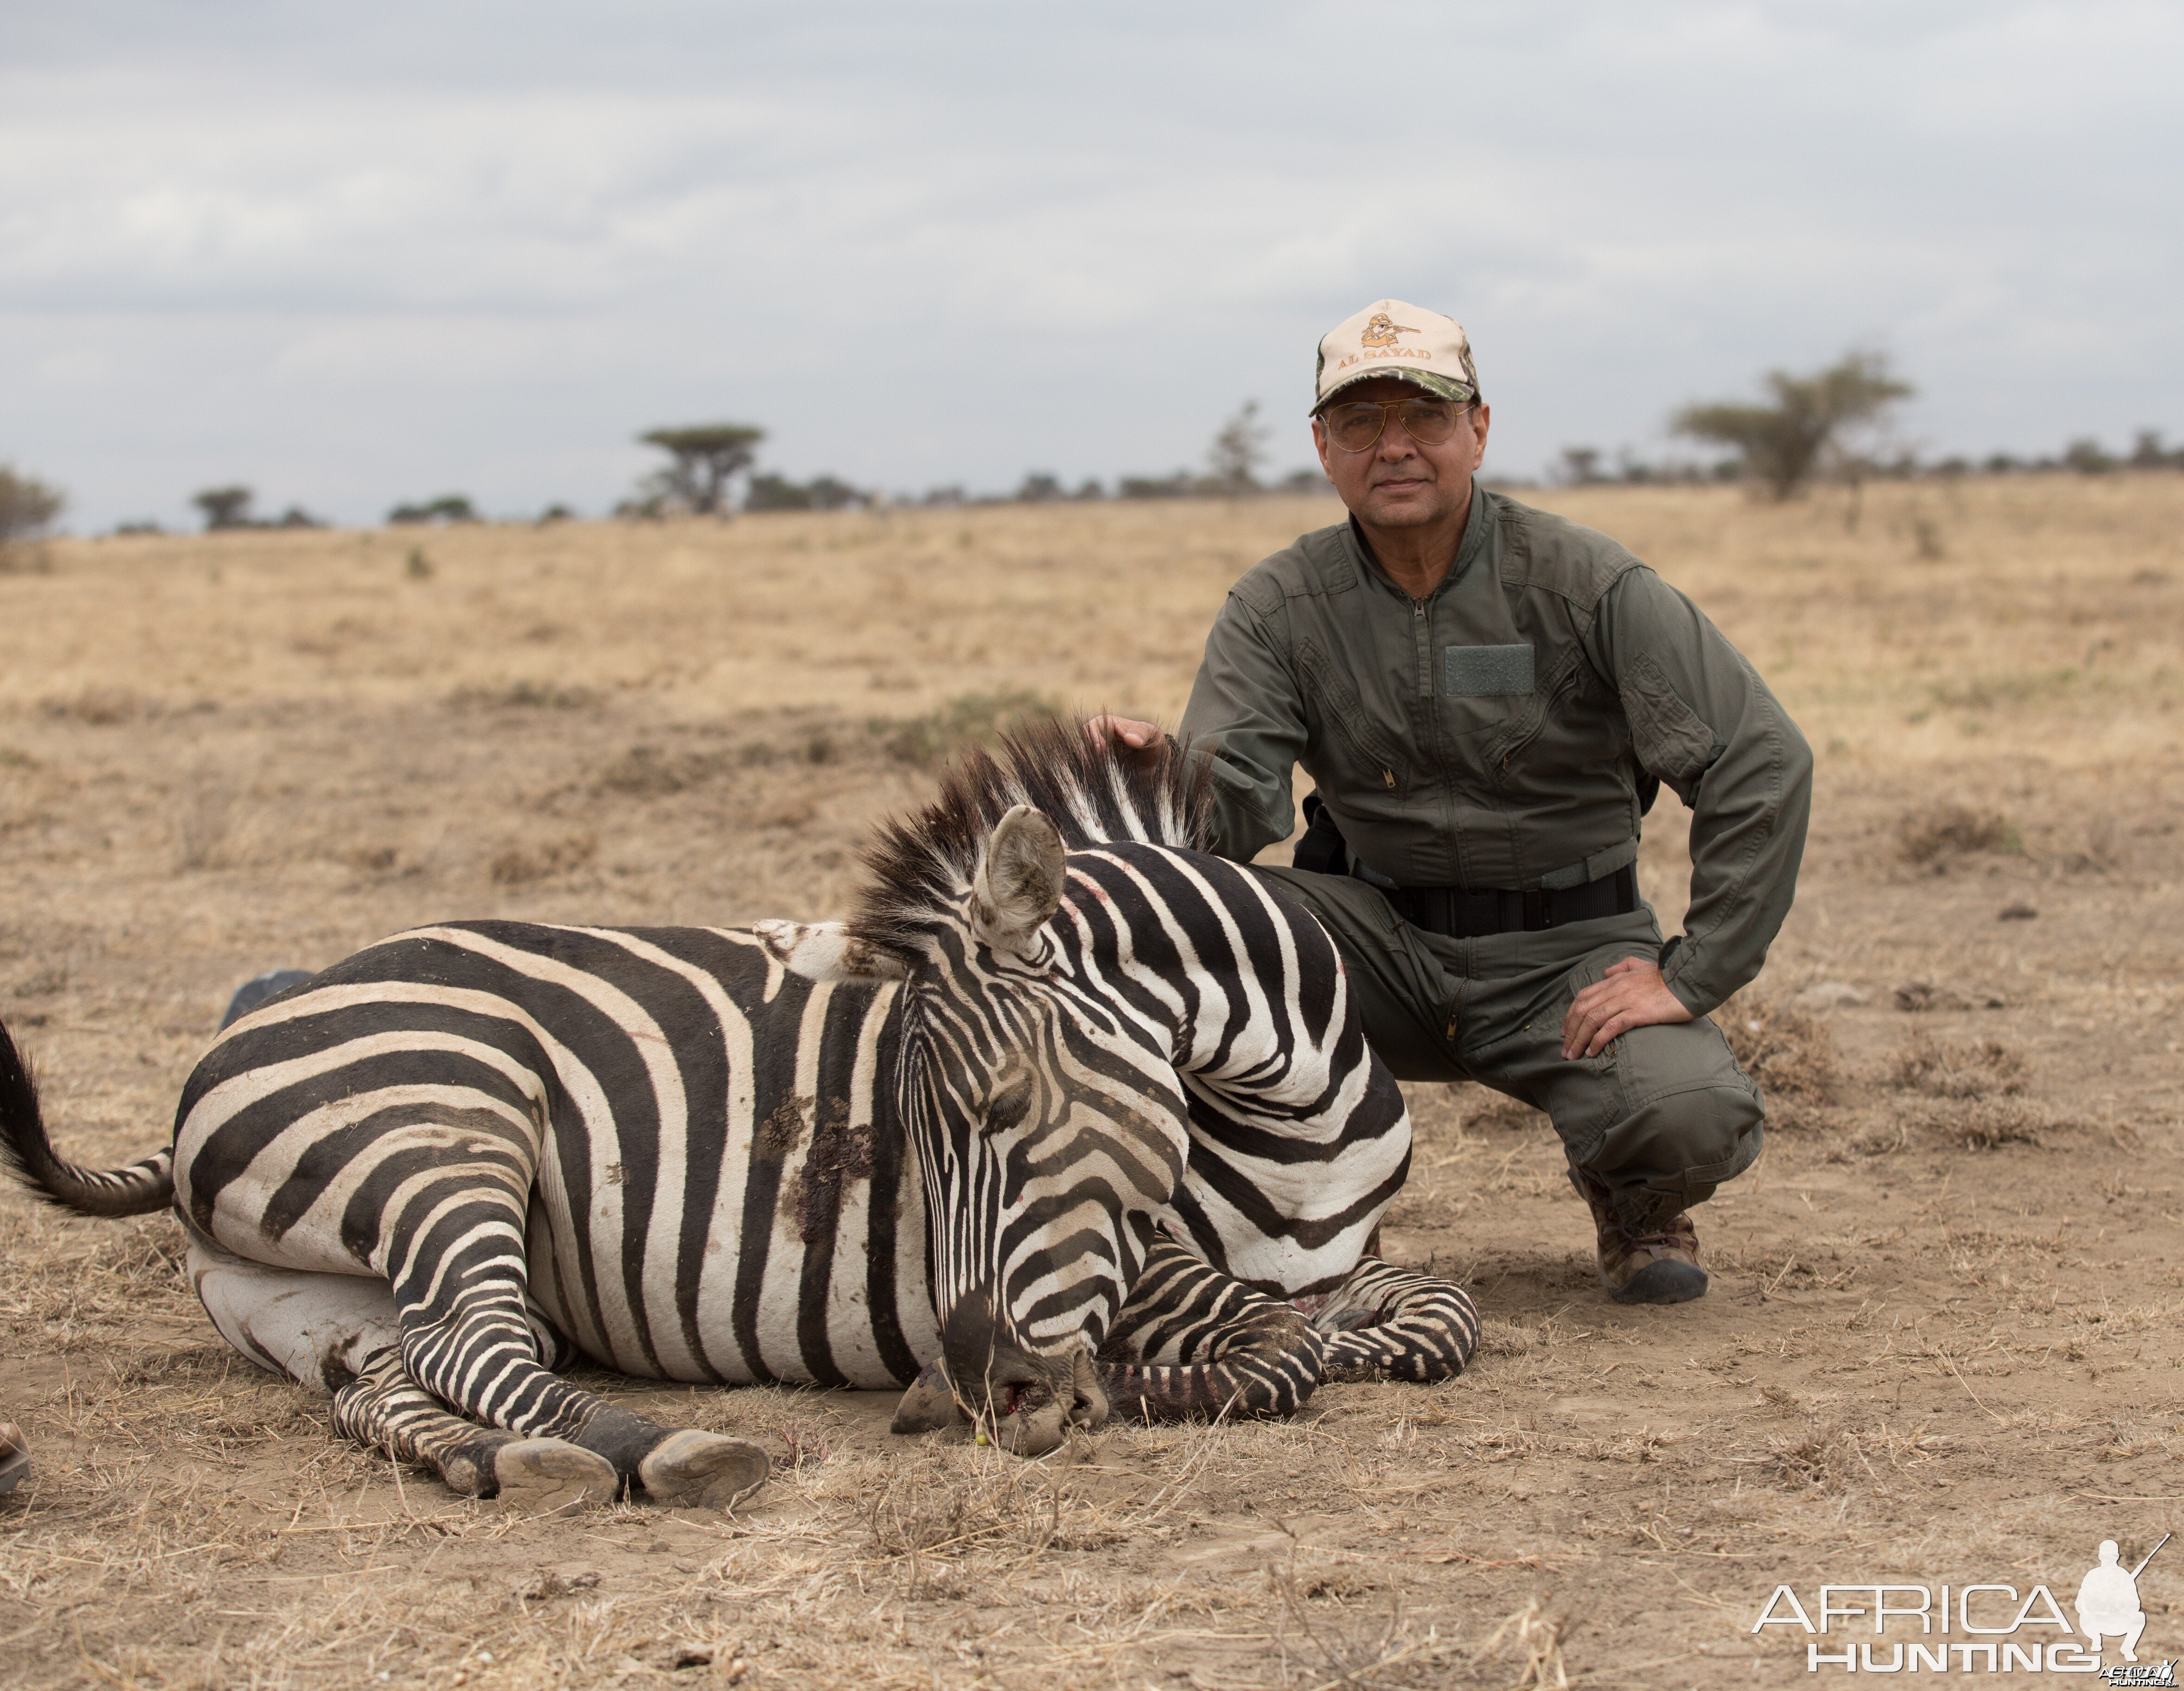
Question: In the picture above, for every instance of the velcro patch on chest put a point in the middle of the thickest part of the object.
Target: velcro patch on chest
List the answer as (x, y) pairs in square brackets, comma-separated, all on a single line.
[(1473, 671)]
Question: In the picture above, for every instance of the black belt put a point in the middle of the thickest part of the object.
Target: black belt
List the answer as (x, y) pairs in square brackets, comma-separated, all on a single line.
[(1460, 914)]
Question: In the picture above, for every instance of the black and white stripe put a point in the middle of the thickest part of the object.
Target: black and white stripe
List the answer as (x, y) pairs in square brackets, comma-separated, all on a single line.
[(1056, 1044)]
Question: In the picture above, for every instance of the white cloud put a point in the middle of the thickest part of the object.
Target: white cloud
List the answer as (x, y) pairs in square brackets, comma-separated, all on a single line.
[(352, 259)]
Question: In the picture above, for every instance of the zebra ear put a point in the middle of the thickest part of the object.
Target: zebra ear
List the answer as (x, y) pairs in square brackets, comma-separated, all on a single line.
[(824, 951), (1018, 884)]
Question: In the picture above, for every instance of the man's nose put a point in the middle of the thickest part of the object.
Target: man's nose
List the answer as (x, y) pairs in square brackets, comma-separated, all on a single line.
[(1395, 440)]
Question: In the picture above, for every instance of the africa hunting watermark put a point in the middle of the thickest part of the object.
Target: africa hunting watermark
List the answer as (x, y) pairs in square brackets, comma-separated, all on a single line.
[(1976, 1628)]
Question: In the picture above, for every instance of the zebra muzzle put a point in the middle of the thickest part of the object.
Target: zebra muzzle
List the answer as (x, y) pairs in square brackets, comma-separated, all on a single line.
[(1022, 1401), (1031, 1417)]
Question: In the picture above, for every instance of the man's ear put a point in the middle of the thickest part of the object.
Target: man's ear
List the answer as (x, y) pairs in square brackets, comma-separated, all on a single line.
[(824, 951), (1018, 884)]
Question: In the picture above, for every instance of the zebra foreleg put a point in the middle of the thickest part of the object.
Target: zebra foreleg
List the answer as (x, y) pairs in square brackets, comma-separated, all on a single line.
[(385, 1410), (1390, 1323), (1190, 1343)]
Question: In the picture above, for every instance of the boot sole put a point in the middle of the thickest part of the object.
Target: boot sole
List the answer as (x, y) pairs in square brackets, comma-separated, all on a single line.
[(1662, 1282)]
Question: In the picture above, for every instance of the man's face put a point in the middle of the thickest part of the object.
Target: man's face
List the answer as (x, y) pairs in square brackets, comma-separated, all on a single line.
[(1398, 482)]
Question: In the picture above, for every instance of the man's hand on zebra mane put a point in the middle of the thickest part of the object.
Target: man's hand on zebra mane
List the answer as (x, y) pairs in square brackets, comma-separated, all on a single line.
[(1631, 994), (1133, 733)]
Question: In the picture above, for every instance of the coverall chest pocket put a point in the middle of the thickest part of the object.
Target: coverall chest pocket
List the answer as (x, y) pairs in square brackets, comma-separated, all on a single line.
[(1485, 689), (1337, 712)]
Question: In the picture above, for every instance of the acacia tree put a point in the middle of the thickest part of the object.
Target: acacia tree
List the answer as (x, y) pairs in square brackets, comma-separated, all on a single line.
[(704, 456), (1807, 430), (1237, 450), (224, 507), (27, 505)]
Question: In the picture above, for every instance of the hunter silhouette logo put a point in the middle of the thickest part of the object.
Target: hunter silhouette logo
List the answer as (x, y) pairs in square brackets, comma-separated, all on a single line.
[(2108, 1602), (1978, 1628), (1381, 331)]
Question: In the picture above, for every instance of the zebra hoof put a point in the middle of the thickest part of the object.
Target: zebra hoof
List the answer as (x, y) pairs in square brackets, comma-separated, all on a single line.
[(545, 1476), (693, 1470)]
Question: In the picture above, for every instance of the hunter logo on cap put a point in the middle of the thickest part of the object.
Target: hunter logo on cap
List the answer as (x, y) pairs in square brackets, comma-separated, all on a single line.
[(1390, 338), (1381, 331)]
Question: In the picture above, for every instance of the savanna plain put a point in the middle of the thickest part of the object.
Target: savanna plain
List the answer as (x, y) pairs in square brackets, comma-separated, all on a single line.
[(1943, 1341)]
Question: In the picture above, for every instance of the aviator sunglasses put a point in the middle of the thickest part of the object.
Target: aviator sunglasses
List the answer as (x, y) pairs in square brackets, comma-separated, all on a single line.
[(1357, 423)]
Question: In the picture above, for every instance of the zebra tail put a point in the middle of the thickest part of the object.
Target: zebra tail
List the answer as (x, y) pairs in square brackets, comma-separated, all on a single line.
[(27, 1155)]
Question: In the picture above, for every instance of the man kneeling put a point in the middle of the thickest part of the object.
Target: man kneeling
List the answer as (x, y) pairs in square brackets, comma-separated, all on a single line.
[(1489, 696)]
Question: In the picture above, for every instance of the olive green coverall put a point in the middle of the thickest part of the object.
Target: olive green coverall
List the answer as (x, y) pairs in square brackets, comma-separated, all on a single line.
[(1506, 732)]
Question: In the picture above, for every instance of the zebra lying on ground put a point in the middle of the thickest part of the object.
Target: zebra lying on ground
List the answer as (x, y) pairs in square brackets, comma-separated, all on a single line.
[(1074, 1112)]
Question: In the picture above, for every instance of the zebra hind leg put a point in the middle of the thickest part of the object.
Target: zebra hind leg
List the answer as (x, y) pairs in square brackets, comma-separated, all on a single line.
[(457, 1228), (339, 1334), (1390, 1323), (478, 1354), (385, 1410), (1190, 1343)]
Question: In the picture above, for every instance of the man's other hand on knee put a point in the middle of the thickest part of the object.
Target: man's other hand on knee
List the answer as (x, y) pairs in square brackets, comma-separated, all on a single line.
[(1631, 994)]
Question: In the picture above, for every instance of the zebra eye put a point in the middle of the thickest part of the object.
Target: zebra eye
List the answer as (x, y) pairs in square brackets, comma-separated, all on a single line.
[(1008, 1105)]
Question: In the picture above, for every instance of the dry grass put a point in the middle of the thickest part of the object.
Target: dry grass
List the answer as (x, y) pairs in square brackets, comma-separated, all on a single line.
[(1953, 830), (1790, 1053), (1939, 1068), (222, 754)]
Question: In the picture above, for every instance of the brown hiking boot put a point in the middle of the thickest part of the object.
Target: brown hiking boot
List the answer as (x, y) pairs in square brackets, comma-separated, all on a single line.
[(1655, 1263)]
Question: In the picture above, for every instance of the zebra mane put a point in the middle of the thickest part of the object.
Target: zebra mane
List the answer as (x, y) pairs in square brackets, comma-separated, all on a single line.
[(1094, 794)]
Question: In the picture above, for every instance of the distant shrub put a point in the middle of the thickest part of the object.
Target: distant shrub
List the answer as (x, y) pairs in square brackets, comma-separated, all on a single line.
[(229, 508), (821, 493), (2087, 457), (28, 506), (449, 508)]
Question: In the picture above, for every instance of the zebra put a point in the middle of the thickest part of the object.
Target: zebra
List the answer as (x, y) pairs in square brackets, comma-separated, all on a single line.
[(1068, 1119)]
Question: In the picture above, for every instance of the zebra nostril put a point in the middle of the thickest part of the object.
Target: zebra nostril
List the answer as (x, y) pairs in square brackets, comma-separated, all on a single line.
[(985, 1361)]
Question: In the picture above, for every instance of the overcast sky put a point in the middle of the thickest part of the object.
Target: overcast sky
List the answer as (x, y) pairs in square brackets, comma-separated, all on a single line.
[(361, 255)]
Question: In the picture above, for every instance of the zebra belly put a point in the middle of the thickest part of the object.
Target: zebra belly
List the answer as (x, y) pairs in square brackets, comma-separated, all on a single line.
[(810, 1264), (833, 1347)]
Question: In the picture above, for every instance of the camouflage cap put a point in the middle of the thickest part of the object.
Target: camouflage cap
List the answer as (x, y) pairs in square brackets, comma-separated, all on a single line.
[(1390, 338)]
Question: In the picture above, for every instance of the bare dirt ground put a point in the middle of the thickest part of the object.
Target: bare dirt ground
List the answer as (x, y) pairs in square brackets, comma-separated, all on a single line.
[(1943, 1341)]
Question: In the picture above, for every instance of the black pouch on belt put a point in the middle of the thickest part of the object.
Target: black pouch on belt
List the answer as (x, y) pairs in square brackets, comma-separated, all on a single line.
[(1322, 848)]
